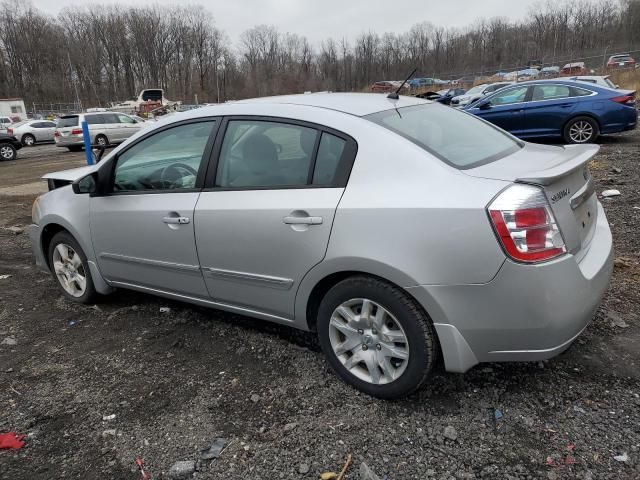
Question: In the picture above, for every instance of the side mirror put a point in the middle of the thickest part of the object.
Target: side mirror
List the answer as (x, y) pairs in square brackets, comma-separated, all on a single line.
[(87, 184), (486, 105)]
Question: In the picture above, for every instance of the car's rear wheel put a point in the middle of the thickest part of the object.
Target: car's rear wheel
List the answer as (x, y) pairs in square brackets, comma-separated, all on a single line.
[(8, 151), (70, 268), (102, 141), (28, 140), (75, 148), (581, 130), (376, 337)]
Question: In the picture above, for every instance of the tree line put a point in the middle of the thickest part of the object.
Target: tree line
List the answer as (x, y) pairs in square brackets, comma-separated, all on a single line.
[(100, 54)]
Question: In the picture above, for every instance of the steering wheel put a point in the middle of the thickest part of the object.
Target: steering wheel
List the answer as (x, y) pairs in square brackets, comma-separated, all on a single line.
[(172, 173)]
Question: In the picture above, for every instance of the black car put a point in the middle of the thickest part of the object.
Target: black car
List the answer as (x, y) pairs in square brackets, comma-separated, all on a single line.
[(443, 96), (9, 146)]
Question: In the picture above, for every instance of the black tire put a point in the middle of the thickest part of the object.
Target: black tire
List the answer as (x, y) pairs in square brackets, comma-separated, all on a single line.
[(28, 140), (8, 152), (101, 140), (417, 326), (90, 295), (588, 124), (75, 148)]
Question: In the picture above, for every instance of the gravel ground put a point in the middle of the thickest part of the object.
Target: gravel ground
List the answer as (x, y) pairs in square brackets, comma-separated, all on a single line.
[(96, 387)]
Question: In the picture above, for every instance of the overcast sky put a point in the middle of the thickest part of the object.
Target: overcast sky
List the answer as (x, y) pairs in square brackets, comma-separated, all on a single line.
[(319, 19)]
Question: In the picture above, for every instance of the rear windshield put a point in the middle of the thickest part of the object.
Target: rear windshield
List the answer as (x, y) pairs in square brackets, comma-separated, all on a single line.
[(68, 121), (455, 137)]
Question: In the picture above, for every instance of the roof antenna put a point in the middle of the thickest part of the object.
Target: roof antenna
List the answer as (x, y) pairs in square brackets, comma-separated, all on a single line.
[(394, 95)]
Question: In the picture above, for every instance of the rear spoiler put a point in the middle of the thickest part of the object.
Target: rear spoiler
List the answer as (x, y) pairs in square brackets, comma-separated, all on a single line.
[(576, 156)]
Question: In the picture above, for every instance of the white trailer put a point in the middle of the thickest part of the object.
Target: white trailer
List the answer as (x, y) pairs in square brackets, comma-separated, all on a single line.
[(13, 108)]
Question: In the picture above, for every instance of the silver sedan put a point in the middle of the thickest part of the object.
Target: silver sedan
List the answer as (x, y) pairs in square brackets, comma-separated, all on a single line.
[(31, 132), (399, 230)]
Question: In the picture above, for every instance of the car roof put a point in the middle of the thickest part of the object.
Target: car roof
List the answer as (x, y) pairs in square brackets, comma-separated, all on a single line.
[(358, 104)]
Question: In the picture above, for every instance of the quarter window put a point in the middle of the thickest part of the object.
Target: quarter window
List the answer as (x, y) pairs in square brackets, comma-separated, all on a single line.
[(168, 160), (94, 119)]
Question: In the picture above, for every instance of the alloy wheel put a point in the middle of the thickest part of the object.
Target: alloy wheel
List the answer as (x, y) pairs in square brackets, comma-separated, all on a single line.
[(69, 270), (369, 341), (29, 140), (101, 141), (6, 152), (581, 131)]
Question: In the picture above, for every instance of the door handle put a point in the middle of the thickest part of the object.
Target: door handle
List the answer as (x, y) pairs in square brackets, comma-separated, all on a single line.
[(302, 220), (176, 220)]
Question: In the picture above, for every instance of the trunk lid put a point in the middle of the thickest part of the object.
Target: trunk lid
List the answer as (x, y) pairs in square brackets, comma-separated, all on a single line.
[(563, 174)]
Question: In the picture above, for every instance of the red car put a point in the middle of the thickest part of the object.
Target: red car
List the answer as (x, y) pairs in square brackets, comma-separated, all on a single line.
[(383, 87), (623, 60), (572, 69)]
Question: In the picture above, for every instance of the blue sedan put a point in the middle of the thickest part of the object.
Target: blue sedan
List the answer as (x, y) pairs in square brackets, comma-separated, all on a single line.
[(575, 111)]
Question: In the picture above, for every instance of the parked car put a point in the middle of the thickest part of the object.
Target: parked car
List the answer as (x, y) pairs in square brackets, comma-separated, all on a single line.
[(550, 72), (9, 146), (5, 122), (420, 82), (621, 61), (105, 128), (382, 87), (32, 131), (392, 264), (477, 93), (443, 96), (573, 69), (576, 111)]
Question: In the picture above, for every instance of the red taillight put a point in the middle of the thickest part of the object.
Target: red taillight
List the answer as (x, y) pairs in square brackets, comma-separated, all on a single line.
[(525, 224), (76, 131), (56, 133), (625, 99), (10, 131)]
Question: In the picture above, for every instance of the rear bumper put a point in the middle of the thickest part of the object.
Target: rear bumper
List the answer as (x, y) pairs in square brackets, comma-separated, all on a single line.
[(527, 312), (69, 141)]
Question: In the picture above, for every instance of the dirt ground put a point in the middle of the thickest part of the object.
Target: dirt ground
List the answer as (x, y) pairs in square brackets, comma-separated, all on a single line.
[(175, 381)]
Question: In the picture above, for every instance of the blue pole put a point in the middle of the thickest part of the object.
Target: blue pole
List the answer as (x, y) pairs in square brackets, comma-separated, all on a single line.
[(87, 143)]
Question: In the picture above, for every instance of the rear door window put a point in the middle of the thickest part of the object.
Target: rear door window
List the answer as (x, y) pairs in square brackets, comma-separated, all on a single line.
[(550, 92), (330, 154), (457, 138)]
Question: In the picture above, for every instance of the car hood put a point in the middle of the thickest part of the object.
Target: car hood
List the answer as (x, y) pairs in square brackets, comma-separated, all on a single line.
[(71, 175), (534, 163)]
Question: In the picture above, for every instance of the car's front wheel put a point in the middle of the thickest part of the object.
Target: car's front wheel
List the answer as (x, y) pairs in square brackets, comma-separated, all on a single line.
[(70, 268), (581, 130), (8, 152), (376, 337)]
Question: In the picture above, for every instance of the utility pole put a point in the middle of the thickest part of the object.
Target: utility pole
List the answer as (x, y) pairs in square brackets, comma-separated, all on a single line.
[(75, 85)]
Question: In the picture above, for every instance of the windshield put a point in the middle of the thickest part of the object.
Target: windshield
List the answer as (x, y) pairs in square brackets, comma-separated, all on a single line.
[(458, 138), (476, 89), (71, 121)]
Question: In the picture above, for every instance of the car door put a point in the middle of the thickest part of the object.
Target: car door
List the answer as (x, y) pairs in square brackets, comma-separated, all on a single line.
[(550, 107), (112, 127), (265, 217), (142, 227), (504, 109), (48, 131), (127, 126)]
